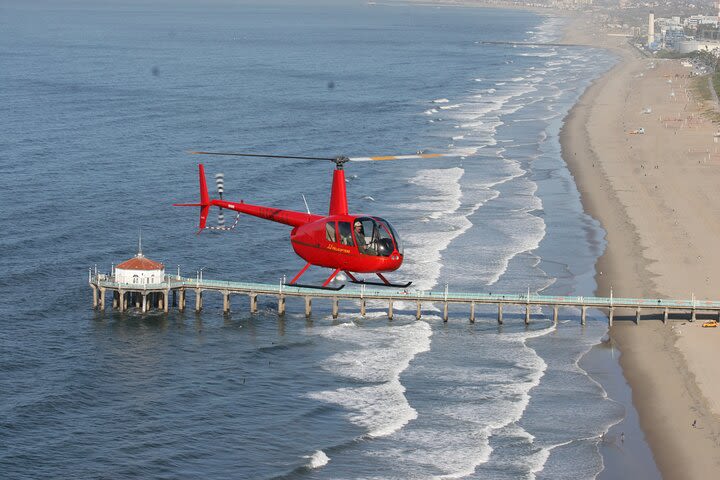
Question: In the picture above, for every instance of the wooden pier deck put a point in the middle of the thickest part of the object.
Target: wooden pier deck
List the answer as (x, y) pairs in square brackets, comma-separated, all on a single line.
[(147, 296)]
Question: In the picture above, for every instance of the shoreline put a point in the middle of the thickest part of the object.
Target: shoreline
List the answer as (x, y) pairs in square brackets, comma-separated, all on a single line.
[(664, 387), (652, 195), (625, 449)]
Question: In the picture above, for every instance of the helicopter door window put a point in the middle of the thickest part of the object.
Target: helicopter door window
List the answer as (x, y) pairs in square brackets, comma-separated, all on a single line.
[(366, 235), (330, 232), (345, 230)]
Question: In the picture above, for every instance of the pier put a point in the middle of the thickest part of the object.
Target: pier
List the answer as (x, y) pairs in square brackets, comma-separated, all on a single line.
[(173, 290)]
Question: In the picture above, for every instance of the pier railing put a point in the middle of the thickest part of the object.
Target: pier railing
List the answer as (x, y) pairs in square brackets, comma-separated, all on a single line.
[(160, 292)]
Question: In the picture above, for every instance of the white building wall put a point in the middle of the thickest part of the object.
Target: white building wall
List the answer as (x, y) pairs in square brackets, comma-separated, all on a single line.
[(139, 277)]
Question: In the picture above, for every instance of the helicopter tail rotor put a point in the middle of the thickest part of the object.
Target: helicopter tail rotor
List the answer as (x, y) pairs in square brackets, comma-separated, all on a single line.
[(206, 203)]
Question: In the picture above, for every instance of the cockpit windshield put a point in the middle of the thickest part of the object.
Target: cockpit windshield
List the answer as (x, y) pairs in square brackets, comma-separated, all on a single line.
[(398, 243), (374, 237)]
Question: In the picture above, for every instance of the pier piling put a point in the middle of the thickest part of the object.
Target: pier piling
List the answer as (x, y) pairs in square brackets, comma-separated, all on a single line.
[(583, 315), (637, 316), (445, 312), (308, 306), (472, 312), (226, 301), (198, 300), (390, 309), (335, 307), (253, 303), (611, 313), (555, 314), (500, 316), (281, 305), (527, 314), (418, 312)]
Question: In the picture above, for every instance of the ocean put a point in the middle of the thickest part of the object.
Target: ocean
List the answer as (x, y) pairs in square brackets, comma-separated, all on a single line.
[(101, 103)]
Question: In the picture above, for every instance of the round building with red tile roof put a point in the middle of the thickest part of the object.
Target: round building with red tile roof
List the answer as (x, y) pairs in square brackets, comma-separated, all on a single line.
[(140, 270)]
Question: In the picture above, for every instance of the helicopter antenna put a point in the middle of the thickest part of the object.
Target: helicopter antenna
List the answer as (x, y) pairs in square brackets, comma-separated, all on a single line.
[(306, 204)]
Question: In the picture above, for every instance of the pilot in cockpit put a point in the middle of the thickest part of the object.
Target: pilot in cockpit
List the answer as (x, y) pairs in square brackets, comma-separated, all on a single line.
[(360, 236)]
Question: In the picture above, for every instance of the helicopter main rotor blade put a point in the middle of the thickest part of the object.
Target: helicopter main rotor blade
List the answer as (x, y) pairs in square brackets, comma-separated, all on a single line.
[(261, 155), (402, 157)]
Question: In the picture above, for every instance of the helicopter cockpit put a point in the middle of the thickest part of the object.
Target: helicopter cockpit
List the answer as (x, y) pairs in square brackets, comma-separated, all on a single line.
[(375, 236)]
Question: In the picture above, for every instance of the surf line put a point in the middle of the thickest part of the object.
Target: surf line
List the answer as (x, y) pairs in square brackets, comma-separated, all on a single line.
[(531, 44)]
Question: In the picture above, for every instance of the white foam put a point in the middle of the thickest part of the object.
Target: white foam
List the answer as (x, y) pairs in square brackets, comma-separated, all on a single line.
[(440, 100), (442, 224), (539, 54), (481, 398), (378, 356), (317, 459)]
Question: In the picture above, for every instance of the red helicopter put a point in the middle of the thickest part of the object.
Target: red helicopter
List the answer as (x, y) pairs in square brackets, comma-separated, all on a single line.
[(340, 240)]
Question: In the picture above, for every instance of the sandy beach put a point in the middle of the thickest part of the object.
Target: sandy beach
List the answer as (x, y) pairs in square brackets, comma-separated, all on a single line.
[(656, 196)]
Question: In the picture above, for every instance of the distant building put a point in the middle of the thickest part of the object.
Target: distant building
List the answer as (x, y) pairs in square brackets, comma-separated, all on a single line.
[(651, 29), (687, 46), (695, 20), (672, 36)]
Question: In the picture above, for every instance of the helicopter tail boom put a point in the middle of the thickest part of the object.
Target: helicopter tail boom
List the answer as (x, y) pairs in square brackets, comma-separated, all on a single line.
[(288, 217)]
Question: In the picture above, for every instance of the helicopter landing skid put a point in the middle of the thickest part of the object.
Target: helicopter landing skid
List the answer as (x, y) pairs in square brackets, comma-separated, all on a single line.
[(381, 284), (317, 287), (384, 283), (324, 286)]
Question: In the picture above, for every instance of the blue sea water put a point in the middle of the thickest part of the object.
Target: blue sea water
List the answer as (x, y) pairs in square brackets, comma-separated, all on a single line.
[(100, 104)]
